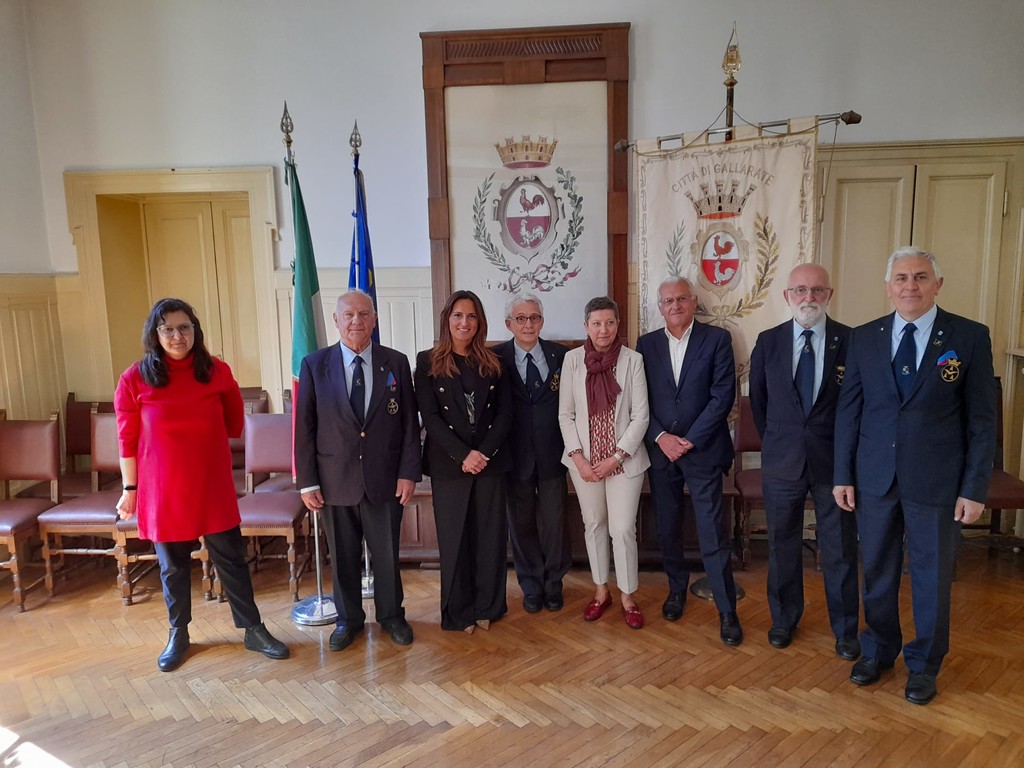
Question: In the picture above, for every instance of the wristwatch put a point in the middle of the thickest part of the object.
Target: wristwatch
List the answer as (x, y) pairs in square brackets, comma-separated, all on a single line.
[(619, 458)]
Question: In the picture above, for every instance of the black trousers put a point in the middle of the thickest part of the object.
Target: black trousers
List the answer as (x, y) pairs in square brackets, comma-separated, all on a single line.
[(540, 536), (227, 552), (705, 484), (346, 527), (472, 536), (837, 546)]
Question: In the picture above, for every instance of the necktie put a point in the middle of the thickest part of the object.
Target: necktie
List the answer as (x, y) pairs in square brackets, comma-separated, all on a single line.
[(358, 394), (533, 381), (804, 378), (904, 365)]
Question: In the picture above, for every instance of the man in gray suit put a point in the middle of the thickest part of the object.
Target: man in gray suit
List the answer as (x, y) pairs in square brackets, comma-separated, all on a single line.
[(357, 457)]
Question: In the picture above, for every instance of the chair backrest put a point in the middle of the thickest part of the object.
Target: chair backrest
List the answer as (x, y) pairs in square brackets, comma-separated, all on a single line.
[(268, 442), (745, 438), (77, 427), (254, 400), (30, 450), (105, 453)]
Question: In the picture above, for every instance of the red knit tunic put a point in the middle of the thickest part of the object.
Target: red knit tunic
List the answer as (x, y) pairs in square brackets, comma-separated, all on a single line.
[(179, 436)]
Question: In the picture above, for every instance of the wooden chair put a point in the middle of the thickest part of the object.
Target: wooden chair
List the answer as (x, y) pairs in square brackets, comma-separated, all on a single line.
[(29, 450), (76, 481), (92, 515), (254, 400), (268, 448), (1005, 491)]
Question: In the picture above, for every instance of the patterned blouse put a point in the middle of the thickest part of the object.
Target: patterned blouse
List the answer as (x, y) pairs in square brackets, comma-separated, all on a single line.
[(602, 436)]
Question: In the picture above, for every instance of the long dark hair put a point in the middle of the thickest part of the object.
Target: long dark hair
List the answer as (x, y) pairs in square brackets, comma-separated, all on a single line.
[(442, 362), (153, 367)]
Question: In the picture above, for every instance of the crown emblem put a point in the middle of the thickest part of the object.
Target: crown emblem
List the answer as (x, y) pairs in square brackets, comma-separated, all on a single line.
[(526, 153), (720, 204)]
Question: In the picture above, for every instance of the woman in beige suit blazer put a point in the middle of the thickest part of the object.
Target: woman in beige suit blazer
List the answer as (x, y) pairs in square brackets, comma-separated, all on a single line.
[(603, 415)]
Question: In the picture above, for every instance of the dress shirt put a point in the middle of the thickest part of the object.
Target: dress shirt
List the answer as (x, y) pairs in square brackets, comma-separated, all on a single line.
[(677, 349), (348, 356), (817, 344), (924, 331), (538, 360)]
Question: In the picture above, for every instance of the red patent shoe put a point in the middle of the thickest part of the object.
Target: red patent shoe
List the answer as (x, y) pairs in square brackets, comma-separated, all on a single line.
[(634, 619), (596, 608)]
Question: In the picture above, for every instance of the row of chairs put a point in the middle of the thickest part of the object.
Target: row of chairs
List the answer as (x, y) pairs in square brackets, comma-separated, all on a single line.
[(86, 524)]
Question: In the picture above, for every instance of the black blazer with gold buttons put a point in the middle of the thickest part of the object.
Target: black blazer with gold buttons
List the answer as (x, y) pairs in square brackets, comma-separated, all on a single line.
[(450, 437)]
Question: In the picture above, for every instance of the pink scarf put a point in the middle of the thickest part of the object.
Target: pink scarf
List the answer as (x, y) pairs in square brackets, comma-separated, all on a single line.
[(602, 388)]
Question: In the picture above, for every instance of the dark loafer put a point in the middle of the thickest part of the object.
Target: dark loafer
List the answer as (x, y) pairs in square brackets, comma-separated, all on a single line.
[(259, 639), (174, 654), (868, 671), (342, 637), (554, 602), (596, 608), (400, 631), (532, 603), (848, 648), (780, 637), (730, 630), (920, 688), (674, 606)]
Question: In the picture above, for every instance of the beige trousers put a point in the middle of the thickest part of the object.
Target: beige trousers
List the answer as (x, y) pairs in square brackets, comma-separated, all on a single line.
[(609, 510)]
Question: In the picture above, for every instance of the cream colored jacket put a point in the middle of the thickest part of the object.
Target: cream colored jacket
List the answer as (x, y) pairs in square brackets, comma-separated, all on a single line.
[(631, 411)]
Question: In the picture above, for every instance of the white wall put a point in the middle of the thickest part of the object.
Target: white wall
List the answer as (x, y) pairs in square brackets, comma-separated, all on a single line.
[(191, 83), (23, 245)]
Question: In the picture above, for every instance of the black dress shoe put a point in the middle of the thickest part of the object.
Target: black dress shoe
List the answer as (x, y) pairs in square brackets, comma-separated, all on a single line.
[(672, 608), (259, 639), (848, 648), (554, 602), (920, 688), (532, 603), (342, 637), (731, 631), (174, 653), (868, 671), (400, 631), (780, 637)]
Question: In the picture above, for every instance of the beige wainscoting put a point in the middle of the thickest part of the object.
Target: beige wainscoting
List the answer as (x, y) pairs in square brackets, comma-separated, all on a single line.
[(32, 377)]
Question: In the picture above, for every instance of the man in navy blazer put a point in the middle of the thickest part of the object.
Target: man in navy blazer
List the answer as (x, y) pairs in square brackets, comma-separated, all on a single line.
[(796, 371), (357, 457), (537, 487), (915, 439), (691, 382)]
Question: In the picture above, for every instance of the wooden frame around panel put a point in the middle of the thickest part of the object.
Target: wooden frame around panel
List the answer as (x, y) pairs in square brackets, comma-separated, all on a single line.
[(520, 57)]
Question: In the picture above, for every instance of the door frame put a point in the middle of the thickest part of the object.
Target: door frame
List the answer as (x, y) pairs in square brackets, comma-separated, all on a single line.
[(87, 327)]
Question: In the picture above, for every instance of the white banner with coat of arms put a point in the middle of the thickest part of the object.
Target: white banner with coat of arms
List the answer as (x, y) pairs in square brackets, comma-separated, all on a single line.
[(731, 217)]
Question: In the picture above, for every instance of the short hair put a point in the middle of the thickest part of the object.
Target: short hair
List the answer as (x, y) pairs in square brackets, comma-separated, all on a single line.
[(673, 280), (519, 298), (909, 252), (598, 303), (356, 292)]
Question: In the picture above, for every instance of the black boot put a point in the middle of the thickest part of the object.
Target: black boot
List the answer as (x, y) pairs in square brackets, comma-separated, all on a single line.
[(174, 653), (259, 639)]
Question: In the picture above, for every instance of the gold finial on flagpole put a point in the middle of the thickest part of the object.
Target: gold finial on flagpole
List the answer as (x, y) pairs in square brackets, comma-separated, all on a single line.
[(355, 140), (731, 62), (286, 128)]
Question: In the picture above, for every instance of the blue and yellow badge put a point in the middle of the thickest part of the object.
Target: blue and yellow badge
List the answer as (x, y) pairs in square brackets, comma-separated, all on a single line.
[(555, 378), (392, 388), (950, 365)]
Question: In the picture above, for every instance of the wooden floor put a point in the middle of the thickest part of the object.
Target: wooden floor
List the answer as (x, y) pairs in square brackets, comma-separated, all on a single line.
[(79, 685)]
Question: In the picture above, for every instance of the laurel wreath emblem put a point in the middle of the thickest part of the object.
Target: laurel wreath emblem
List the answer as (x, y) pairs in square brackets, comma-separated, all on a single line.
[(549, 274), (767, 260)]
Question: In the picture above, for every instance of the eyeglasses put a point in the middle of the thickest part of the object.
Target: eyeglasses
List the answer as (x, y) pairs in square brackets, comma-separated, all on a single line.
[(802, 290), (524, 319), (668, 301), (169, 332)]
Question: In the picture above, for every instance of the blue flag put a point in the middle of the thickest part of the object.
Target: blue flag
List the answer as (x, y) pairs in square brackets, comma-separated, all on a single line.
[(360, 273)]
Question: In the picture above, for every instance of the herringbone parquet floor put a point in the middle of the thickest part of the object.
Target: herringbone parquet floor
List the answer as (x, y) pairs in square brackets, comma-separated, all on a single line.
[(79, 685)]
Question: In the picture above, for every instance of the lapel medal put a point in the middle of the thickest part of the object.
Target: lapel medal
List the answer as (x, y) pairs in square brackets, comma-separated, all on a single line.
[(555, 379), (392, 406), (950, 366), (840, 372)]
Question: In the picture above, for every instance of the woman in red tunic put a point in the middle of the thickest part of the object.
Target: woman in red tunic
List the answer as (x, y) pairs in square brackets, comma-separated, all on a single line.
[(176, 409)]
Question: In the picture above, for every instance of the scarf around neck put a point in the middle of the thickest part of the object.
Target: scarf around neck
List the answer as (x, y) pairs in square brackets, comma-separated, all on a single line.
[(602, 388)]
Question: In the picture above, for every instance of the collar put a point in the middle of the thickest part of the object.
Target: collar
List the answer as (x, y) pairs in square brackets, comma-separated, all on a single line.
[(818, 328), (520, 353), (347, 355), (923, 324), (685, 337)]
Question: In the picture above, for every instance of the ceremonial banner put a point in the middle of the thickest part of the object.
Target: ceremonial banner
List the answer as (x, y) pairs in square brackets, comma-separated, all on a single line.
[(731, 217), (360, 272)]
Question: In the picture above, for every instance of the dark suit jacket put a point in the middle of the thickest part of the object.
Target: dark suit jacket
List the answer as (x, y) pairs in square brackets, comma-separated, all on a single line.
[(450, 437), (941, 441), (789, 440), (698, 408), (332, 450), (536, 437)]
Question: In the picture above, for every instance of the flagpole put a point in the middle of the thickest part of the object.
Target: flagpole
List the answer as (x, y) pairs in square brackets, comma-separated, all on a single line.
[(320, 608)]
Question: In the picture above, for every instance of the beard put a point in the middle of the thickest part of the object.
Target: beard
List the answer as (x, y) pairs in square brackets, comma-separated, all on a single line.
[(809, 313)]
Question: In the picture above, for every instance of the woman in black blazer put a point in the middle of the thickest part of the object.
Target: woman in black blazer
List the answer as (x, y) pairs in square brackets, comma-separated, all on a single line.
[(467, 412)]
